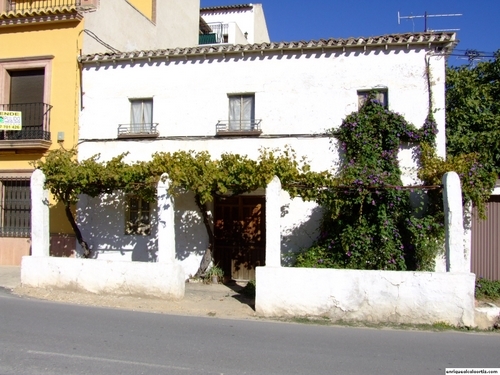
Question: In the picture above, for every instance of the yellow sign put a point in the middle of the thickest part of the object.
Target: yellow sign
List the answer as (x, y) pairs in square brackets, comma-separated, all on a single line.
[(10, 120)]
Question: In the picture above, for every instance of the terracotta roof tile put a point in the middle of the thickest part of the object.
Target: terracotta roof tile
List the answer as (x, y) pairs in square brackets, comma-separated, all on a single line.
[(48, 11), (445, 39), (227, 7)]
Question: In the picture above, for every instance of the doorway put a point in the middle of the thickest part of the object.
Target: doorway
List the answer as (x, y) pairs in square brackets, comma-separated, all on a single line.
[(240, 238)]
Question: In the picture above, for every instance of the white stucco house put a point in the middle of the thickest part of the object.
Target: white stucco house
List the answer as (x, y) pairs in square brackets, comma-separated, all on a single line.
[(235, 24), (239, 98)]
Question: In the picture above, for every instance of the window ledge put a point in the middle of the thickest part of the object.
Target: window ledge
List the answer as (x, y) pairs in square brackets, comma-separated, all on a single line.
[(138, 135), (31, 144), (244, 133)]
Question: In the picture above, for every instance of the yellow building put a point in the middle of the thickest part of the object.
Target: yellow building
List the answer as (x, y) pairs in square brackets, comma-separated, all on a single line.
[(40, 78)]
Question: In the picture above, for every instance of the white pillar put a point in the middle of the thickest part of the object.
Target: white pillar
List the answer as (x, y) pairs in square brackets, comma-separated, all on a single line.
[(467, 237), (273, 230), (453, 221), (166, 222), (40, 232)]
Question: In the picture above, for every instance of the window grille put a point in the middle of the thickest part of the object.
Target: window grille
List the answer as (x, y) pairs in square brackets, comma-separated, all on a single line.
[(15, 207), (380, 95), (138, 216)]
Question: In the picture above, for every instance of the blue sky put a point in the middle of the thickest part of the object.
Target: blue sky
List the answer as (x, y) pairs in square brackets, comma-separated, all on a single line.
[(295, 20)]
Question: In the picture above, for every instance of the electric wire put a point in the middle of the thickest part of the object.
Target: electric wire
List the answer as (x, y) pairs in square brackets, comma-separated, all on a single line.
[(100, 41)]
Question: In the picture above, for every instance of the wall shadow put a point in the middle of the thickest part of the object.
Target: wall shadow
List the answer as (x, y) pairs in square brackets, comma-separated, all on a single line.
[(244, 294), (301, 236), (191, 237), (102, 222)]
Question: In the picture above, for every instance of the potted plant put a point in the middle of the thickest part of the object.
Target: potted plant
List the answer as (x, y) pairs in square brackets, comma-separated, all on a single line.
[(215, 273)]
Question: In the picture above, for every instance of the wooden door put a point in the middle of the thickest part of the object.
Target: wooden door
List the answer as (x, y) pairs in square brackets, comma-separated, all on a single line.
[(240, 235)]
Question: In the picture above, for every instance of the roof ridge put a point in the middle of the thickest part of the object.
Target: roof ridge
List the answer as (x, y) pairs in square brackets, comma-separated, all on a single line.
[(227, 7), (426, 38)]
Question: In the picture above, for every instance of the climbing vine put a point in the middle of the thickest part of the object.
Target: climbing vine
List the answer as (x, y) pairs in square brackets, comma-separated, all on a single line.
[(196, 172), (370, 220)]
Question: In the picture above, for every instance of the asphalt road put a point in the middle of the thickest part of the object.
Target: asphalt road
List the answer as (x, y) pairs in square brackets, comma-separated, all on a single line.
[(41, 337)]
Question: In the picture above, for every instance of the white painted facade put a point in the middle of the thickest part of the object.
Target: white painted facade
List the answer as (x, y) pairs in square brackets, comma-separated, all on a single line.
[(299, 94), (123, 27), (248, 19)]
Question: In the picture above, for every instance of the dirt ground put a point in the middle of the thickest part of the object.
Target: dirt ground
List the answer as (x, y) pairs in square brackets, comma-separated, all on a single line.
[(486, 302), (215, 300), (212, 300)]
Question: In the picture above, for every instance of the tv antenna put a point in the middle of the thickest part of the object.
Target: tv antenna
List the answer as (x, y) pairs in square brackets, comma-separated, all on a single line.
[(473, 56), (425, 16)]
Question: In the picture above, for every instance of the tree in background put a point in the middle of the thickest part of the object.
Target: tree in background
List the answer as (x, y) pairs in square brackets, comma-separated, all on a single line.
[(473, 112)]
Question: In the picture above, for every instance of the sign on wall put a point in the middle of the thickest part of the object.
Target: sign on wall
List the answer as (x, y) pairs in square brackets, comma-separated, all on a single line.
[(10, 120)]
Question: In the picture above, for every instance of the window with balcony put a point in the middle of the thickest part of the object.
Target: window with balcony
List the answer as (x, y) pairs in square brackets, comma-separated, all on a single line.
[(214, 33), (138, 216), (26, 86), (241, 119), (141, 120), (380, 95), (15, 207)]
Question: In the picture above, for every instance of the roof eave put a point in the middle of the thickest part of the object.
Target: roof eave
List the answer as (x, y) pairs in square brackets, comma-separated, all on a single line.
[(323, 45)]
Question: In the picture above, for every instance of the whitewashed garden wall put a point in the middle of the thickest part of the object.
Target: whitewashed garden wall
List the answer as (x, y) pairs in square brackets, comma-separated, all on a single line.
[(348, 295), (373, 296), (164, 278)]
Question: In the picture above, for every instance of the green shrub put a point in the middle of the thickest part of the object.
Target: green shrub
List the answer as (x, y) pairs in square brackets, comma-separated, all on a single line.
[(487, 288), (315, 257), (249, 289)]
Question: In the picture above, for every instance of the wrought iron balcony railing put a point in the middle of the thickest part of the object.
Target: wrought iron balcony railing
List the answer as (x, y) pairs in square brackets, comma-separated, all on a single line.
[(35, 122), (138, 130), (26, 6), (237, 127), (218, 35)]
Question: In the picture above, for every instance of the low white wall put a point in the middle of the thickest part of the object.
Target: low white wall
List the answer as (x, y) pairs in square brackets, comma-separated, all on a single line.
[(369, 296), (165, 280)]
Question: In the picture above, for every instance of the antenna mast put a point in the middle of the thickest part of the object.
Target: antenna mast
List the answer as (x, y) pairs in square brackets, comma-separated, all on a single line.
[(425, 16)]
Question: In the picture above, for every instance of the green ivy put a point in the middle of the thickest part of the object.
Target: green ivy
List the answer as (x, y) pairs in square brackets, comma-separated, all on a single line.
[(370, 220)]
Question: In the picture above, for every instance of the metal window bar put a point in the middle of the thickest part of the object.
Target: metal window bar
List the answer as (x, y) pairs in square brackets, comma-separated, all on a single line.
[(15, 207), (30, 5), (379, 95), (35, 121), (138, 217), (238, 126), (140, 128), (220, 30)]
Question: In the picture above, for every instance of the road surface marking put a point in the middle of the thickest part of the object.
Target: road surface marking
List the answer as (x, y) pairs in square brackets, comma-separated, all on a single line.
[(108, 360)]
